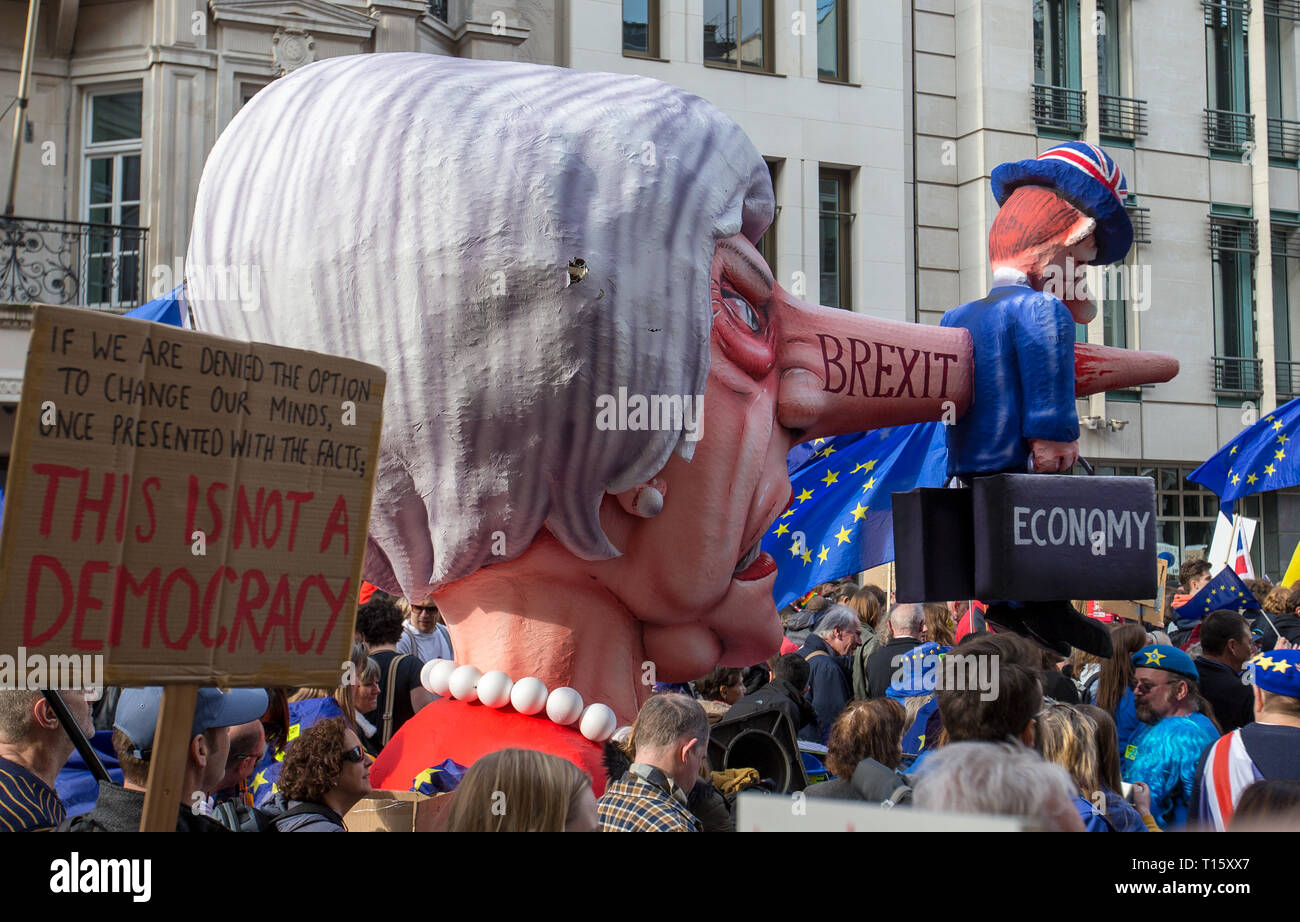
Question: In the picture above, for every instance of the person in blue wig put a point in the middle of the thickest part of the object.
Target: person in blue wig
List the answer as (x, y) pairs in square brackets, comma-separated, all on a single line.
[(1178, 725)]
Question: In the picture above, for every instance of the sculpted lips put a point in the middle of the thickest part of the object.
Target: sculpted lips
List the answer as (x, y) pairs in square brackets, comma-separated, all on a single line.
[(754, 563)]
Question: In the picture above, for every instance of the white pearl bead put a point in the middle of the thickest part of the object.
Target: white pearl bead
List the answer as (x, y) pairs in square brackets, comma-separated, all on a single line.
[(564, 705), (598, 722), (528, 696), (436, 674), (494, 688), (463, 681)]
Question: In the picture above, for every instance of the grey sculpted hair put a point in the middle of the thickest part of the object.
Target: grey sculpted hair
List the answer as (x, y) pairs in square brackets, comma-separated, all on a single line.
[(835, 616), (420, 212), (1003, 779)]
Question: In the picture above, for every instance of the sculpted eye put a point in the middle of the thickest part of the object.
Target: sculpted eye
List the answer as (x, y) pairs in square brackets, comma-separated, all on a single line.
[(737, 304)]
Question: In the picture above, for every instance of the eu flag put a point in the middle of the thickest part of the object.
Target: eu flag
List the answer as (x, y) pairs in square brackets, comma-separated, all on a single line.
[(840, 521), (1226, 590), (168, 309), (1260, 458)]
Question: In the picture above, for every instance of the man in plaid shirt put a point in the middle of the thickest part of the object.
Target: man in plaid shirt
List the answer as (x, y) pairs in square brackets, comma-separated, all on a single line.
[(671, 736)]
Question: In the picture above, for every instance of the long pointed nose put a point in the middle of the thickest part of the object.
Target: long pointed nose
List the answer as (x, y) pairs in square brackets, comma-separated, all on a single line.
[(846, 372)]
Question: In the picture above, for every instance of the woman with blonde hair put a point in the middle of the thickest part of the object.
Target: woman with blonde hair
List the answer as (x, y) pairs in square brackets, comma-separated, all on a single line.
[(519, 790), (1065, 736)]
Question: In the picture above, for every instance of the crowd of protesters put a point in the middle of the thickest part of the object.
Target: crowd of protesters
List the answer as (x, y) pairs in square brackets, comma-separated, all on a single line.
[(921, 706)]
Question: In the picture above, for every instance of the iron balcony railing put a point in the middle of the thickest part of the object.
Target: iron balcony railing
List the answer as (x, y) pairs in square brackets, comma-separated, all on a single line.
[(1122, 117), (1283, 139), (1236, 375), (1140, 217), (1228, 132), (1288, 379), (1059, 108), (70, 262)]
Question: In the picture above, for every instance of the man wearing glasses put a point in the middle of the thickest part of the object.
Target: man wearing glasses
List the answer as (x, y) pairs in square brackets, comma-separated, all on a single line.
[(1166, 748), (232, 803)]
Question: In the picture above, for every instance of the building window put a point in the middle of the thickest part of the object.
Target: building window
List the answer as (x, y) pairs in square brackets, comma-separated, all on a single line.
[(1058, 97), (247, 91), (1233, 246), (835, 238), (438, 8), (111, 192), (833, 40), (641, 28), (767, 243), (1286, 298), (1114, 303), (1119, 116), (1279, 67), (738, 33), (1186, 512), (1228, 122)]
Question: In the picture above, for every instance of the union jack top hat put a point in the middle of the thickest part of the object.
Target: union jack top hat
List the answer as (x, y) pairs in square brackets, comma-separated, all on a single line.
[(1086, 178)]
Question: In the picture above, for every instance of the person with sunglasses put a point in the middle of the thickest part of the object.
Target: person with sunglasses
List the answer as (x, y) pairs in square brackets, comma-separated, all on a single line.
[(326, 771), (1178, 725)]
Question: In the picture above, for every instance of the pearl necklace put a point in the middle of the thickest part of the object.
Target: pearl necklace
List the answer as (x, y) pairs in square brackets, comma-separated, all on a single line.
[(528, 696)]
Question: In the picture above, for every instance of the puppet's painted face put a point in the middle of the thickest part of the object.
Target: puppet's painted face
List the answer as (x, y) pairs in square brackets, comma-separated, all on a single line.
[(693, 575)]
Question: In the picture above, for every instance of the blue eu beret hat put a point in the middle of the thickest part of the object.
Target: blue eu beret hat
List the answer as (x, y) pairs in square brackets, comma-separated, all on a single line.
[(1170, 659), (1277, 672), (137, 712), (1088, 179)]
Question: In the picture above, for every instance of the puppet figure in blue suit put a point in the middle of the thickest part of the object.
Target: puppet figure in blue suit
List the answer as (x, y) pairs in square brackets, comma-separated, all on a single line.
[(1060, 212)]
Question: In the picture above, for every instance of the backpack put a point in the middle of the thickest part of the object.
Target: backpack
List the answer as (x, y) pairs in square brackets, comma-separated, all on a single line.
[(390, 701), (880, 784), (237, 816)]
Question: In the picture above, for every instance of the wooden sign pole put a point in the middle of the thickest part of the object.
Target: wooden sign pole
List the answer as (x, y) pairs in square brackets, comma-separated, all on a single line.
[(171, 739)]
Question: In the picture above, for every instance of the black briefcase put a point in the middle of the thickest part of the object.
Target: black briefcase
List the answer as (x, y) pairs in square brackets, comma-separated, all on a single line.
[(934, 559), (1043, 537)]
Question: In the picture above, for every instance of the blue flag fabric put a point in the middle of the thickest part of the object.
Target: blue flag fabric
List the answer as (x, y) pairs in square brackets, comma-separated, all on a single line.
[(167, 309), (302, 714), (1226, 590), (842, 509), (1260, 458), (440, 778)]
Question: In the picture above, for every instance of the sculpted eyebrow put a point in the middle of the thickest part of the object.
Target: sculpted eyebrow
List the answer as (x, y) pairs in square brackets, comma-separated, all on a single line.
[(757, 267)]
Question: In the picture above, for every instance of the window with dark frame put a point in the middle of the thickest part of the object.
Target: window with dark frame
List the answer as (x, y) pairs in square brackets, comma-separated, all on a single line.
[(833, 40), (767, 243), (1233, 248), (835, 242), (739, 33), (112, 148), (641, 28)]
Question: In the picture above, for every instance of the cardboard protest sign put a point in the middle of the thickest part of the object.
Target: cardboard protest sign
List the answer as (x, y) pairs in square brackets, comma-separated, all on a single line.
[(799, 813), (192, 508)]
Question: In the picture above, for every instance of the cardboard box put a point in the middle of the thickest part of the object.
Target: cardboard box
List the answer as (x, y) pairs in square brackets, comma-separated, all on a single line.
[(398, 811)]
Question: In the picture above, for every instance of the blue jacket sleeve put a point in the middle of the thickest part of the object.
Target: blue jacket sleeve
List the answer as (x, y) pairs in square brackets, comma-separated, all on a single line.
[(1045, 361), (829, 695)]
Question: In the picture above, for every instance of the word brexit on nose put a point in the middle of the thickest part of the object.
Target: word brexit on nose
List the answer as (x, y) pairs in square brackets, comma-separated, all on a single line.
[(872, 369)]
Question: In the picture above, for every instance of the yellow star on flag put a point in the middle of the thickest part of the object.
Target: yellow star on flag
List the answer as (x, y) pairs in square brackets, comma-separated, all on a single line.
[(787, 513), (830, 478), (1279, 454), (259, 779), (807, 557), (869, 484), (1233, 452), (1251, 478), (817, 442), (805, 495), (1277, 425), (858, 467), (781, 529), (859, 513), (1154, 657), (1280, 665), (1270, 470), (843, 536), (821, 557), (827, 451), (1235, 479), (795, 549), (1264, 662), (1283, 439)]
